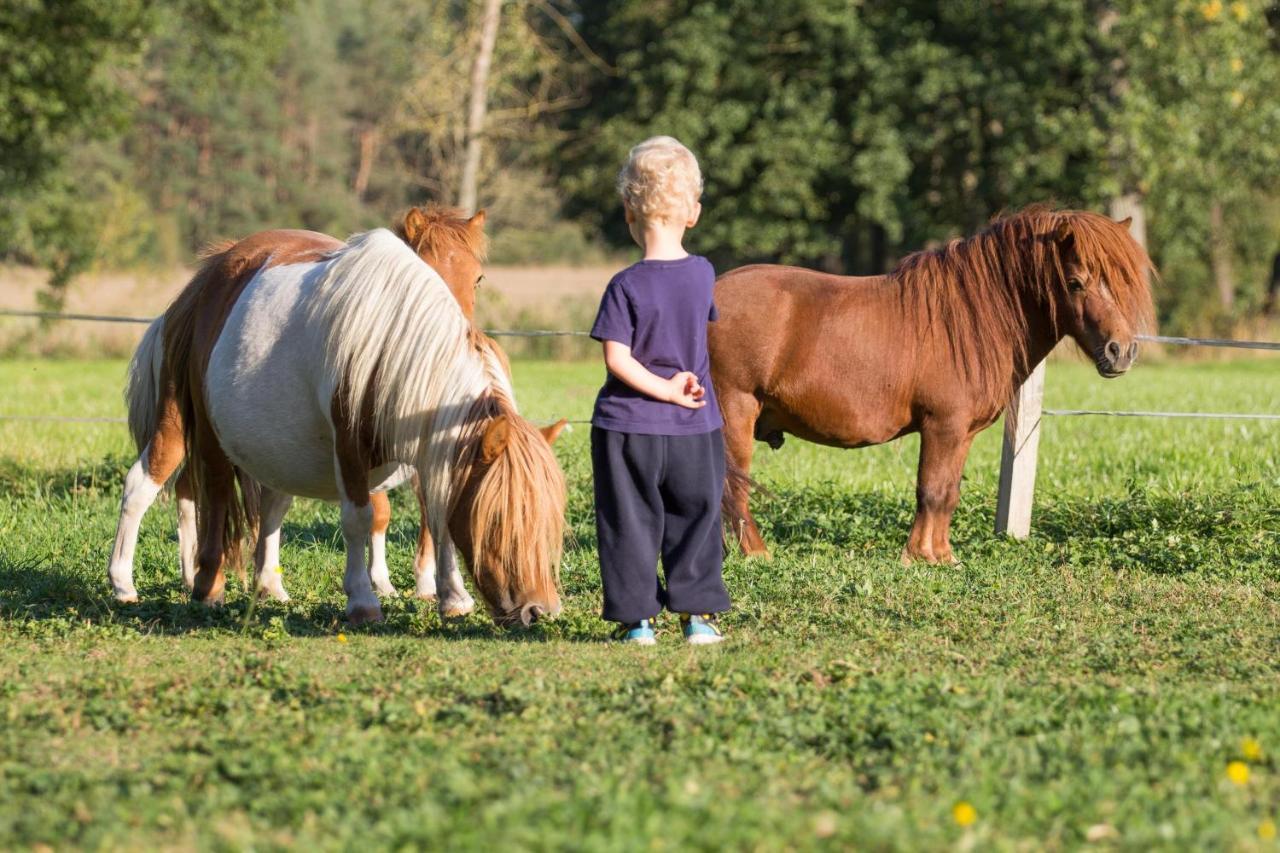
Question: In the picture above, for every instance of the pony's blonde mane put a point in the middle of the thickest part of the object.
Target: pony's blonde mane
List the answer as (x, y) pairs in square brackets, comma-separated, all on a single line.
[(399, 348), (973, 290), (517, 516)]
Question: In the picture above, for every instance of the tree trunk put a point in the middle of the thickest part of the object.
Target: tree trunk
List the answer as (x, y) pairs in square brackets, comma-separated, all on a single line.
[(1130, 205), (368, 146), (477, 104), (1220, 257)]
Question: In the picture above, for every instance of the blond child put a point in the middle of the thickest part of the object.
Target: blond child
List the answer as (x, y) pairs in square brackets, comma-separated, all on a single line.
[(657, 452)]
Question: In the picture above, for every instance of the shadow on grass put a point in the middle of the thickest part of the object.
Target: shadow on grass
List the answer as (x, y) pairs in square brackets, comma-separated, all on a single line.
[(52, 601), (1145, 530)]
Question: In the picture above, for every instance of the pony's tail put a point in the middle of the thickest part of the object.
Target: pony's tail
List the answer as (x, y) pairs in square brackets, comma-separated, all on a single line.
[(736, 482), (213, 477), (142, 396)]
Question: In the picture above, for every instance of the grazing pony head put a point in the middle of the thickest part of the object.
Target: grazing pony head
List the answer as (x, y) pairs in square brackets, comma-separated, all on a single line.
[(1103, 298), (508, 511), (453, 245)]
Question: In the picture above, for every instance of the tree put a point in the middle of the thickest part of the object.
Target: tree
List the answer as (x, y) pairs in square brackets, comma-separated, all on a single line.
[(839, 135)]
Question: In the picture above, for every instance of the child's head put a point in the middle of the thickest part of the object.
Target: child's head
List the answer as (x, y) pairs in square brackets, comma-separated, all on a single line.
[(661, 182)]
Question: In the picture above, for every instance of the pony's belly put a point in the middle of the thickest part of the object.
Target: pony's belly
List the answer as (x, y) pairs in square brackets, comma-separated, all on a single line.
[(263, 385)]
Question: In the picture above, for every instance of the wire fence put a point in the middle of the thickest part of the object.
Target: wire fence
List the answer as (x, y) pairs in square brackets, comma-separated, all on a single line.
[(556, 333)]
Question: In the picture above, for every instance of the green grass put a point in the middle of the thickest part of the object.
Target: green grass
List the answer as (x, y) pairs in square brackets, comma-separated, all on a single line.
[(1092, 682)]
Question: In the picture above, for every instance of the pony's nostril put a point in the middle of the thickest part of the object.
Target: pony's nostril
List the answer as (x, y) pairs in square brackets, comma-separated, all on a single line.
[(1113, 351), (1133, 351), (531, 613)]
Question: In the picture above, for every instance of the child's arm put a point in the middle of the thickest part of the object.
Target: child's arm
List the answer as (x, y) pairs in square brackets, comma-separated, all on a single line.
[(682, 389)]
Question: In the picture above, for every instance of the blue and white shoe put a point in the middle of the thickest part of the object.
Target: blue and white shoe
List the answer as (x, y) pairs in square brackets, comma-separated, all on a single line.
[(637, 633), (700, 630)]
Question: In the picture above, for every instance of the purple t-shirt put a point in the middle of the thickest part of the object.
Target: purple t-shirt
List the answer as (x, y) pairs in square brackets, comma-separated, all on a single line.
[(660, 309)]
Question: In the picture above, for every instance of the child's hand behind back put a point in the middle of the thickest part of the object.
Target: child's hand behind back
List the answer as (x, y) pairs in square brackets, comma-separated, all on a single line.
[(685, 390)]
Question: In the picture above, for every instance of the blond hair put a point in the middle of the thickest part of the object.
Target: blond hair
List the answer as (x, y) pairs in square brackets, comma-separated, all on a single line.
[(661, 180)]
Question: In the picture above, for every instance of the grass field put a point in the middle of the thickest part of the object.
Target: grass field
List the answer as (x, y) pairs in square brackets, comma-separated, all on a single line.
[(1091, 685)]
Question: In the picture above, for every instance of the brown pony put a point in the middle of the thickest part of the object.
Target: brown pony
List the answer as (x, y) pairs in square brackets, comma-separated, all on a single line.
[(937, 347)]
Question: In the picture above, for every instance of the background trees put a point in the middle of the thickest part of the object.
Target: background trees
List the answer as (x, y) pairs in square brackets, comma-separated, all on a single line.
[(837, 134)]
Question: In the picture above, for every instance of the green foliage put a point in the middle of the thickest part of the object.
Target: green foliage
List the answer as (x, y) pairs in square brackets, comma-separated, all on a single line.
[(827, 130), (1092, 682)]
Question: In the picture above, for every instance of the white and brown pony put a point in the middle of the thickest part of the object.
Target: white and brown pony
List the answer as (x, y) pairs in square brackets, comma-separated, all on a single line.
[(336, 373), (445, 239)]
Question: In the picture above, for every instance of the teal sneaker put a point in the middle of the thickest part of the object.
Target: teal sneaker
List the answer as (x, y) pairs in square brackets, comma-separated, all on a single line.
[(700, 630), (637, 633)]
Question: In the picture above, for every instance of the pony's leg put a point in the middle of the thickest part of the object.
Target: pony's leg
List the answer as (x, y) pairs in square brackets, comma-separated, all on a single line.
[(454, 598), (186, 529), (158, 462), (424, 560), (378, 571), (140, 492), (740, 413), (268, 577), (362, 603), (220, 491), (439, 559), (943, 450)]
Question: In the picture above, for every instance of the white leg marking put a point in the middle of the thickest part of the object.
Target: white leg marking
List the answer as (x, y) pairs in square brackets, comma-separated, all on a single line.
[(139, 493), (187, 541), (378, 571), (424, 573), (454, 598), (362, 604), (266, 556)]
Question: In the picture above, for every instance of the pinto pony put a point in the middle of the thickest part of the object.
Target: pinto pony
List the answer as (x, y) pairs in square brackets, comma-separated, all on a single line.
[(937, 347), (445, 239), (337, 373)]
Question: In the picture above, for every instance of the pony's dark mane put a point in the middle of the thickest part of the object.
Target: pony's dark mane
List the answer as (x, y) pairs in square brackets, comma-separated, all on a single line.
[(442, 229), (976, 290)]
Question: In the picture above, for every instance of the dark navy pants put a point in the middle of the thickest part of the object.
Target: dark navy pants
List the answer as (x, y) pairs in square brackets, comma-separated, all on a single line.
[(659, 495)]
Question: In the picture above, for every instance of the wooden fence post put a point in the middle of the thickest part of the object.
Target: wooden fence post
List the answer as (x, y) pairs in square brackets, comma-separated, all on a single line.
[(1018, 458)]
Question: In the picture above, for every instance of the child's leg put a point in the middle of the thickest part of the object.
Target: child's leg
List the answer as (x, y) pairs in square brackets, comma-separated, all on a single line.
[(626, 470), (692, 543)]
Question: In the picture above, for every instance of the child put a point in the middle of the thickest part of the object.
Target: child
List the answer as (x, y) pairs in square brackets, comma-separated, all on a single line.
[(656, 448)]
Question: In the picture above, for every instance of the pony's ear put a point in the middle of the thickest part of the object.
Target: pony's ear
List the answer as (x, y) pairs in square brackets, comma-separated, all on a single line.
[(476, 223), (1062, 234), (414, 223), (1126, 222), (496, 436), (551, 433)]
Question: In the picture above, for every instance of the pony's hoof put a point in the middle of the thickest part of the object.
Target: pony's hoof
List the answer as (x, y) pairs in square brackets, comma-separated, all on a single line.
[(214, 601), (425, 596), (127, 596), (273, 593), (385, 590), (364, 615), (457, 609)]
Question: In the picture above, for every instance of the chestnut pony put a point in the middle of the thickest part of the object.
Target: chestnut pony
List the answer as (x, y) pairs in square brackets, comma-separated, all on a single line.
[(445, 239), (936, 347)]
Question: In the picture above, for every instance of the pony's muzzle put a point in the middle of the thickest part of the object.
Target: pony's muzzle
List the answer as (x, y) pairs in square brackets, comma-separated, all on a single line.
[(1117, 358)]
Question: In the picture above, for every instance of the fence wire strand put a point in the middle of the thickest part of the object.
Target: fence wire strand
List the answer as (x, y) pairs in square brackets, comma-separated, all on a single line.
[(554, 333)]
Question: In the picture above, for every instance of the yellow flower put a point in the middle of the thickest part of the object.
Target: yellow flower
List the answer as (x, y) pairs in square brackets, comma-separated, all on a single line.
[(963, 813), (1211, 10), (1237, 98), (1267, 830), (1238, 772), (1237, 64), (1240, 10), (1251, 750), (342, 638)]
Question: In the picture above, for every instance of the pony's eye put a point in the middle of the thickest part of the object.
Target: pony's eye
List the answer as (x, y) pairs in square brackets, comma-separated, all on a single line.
[(1075, 284), (479, 279)]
